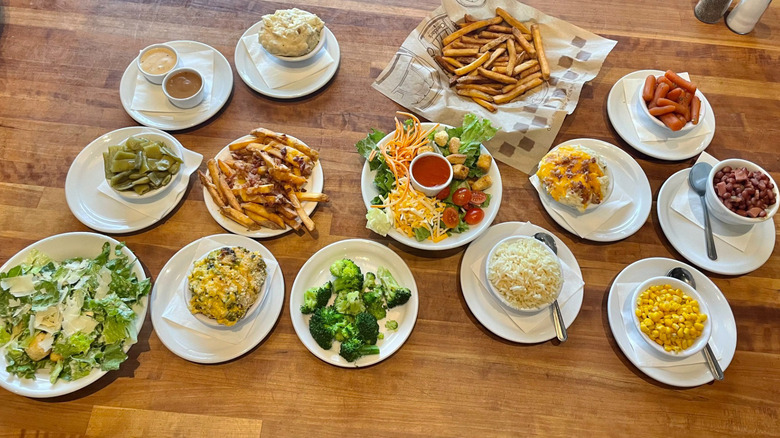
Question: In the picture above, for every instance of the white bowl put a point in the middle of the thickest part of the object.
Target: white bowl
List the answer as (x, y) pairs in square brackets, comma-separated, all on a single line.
[(309, 55), (700, 342), (719, 210), (249, 315), (656, 121), (184, 102), (429, 191), (132, 195), (498, 295), (156, 78)]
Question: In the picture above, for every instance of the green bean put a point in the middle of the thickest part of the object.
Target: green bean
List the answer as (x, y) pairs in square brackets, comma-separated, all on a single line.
[(140, 165)]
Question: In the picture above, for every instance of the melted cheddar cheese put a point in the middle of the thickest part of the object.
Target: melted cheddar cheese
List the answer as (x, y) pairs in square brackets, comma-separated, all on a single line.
[(574, 175), (226, 283)]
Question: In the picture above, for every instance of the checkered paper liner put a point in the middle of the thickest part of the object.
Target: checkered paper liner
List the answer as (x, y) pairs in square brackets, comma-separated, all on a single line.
[(528, 125)]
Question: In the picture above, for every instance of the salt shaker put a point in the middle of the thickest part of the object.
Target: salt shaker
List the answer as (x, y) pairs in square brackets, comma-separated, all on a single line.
[(743, 18), (710, 11)]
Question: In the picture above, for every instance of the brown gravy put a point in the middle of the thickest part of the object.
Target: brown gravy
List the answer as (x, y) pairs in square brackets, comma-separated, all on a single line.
[(183, 84)]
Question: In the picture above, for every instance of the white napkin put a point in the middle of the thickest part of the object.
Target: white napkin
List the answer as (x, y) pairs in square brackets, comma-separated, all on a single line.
[(687, 204), (178, 311), (528, 322), (277, 73), (648, 132), (158, 205), (150, 97), (586, 223), (644, 355)]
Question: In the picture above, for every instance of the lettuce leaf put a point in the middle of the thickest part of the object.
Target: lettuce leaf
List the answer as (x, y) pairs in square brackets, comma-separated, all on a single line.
[(369, 144), (113, 356), (77, 343), (472, 133), (421, 234)]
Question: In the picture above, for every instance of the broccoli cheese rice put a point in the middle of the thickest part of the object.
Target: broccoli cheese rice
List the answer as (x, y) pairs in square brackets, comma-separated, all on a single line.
[(525, 273), (226, 283)]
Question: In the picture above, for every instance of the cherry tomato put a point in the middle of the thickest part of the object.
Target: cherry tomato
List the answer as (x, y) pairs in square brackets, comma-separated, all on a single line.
[(461, 197), (450, 217), (443, 194), (474, 216), (478, 197)]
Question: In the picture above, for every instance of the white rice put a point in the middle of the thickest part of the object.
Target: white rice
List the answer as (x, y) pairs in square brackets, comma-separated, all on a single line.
[(525, 273)]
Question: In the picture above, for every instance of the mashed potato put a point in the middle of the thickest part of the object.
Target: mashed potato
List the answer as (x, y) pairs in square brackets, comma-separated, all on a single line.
[(525, 273), (290, 32), (574, 176)]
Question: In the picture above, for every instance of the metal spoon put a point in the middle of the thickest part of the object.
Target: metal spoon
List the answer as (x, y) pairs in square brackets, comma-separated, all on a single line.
[(685, 276), (560, 327), (698, 179)]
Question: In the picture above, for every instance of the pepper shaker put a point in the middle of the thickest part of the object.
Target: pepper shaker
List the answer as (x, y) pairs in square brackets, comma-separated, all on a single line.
[(710, 11), (744, 17)]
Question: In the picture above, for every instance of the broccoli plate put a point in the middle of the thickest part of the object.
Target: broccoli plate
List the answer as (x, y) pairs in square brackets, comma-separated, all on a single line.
[(360, 302)]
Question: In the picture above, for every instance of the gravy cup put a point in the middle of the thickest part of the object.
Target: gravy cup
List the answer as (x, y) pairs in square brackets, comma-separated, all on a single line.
[(185, 102)]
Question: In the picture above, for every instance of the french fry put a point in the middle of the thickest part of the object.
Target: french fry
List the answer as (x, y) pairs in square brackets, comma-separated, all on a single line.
[(238, 145), (475, 93), (471, 27), (524, 44), (287, 177), (472, 40), (493, 43), (213, 171), (522, 81), (454, 53), (452, 61), (223, 188), (262, 221), (262, 189), (498, 77), (483, 88), (490, 35), (498, 52), (227, 170), (537, 34), (487, 105), (212, 189), (239, 217), (530, 71), (510, 65), (289, 141), (305, 219), (512, 21), (473, 66), (499, 29), (264, 212), (503, 98), (313, 197)]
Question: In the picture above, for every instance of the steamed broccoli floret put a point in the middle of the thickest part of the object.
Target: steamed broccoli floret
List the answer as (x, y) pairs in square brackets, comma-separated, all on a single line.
[(375, 303), (316, 297), (395, 295), (367, 328), (354, 349), (391, 325), (348, 276), (325, 324), (369, 282), (349, 303)]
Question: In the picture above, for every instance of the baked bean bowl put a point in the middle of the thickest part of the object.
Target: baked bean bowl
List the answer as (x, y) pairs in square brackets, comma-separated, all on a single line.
[(741, 193)]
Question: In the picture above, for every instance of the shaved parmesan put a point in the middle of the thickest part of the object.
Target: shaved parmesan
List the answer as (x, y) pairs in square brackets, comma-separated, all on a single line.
[(20, 286), (48, 320)]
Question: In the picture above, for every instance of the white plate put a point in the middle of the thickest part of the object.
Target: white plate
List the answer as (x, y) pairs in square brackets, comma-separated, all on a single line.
[(627, 174), (313, 185), (487, 309), (368, 255), (369, 192), (61, 247), (220, 89), (624, 125), (724, 328), (249, 74), (98, 211), (195, 346), (688, 239)]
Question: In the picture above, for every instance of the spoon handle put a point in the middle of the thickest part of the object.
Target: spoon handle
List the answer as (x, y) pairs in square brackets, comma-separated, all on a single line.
[(713, 362), (560, 327), (711, 253)]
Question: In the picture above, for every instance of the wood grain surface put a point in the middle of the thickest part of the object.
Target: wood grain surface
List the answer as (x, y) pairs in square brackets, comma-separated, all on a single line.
[(60, 68)]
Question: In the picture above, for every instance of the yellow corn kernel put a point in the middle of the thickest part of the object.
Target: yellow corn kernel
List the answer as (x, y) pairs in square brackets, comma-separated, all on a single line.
[(699, 327)]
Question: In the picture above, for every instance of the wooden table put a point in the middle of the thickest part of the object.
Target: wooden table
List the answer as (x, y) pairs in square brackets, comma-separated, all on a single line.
[(60, 68)]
